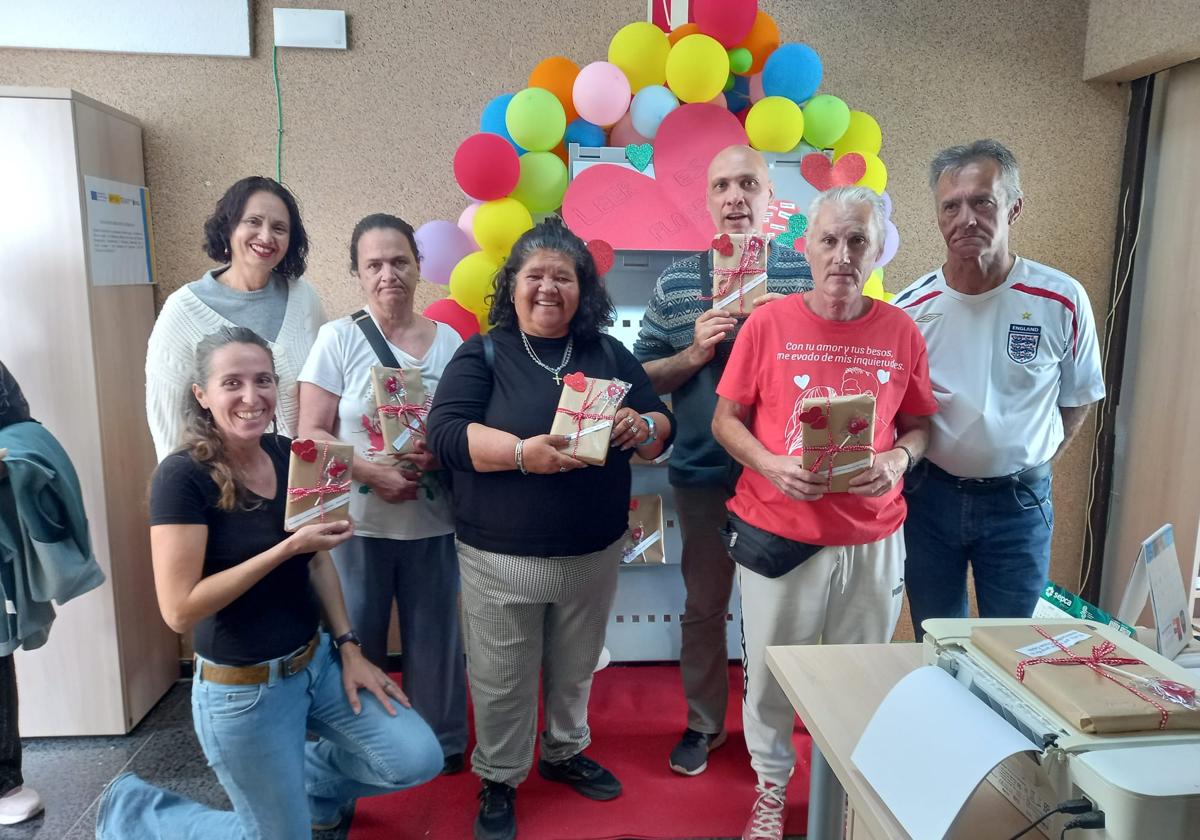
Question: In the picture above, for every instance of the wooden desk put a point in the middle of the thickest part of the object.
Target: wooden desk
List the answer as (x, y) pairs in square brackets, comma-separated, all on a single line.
[(836, 689)]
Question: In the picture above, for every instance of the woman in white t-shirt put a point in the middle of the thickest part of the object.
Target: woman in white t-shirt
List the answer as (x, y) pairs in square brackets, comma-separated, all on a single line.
[(403, 544)]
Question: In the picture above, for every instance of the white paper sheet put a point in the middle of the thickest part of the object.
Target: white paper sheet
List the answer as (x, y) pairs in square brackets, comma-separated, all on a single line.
[(930, 743), (119, 232)]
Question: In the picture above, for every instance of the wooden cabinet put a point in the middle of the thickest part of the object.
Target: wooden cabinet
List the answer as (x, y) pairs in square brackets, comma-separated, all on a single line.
[(79, 352)]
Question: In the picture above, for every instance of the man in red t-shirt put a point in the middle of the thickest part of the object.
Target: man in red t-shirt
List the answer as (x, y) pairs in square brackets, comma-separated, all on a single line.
[(815, 566)]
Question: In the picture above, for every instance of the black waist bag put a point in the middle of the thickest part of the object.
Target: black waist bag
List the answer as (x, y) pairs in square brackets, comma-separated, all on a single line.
[(762, 552)]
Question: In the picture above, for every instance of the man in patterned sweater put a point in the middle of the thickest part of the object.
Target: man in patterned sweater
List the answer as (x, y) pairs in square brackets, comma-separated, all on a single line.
[(684, 344)]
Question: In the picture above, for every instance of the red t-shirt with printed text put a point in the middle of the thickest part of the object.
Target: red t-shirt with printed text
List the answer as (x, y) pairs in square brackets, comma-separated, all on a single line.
[(785, 354)]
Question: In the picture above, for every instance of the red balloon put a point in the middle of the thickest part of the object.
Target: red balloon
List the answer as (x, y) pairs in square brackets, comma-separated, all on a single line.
[(729, 21), (486, 166), (450, 313)]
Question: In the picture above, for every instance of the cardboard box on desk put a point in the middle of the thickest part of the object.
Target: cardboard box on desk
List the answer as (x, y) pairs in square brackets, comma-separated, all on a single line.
[(837, 435), (1086, 699), (644, 538), (585, 415), (401, 406), (739, 263), (318, 483)]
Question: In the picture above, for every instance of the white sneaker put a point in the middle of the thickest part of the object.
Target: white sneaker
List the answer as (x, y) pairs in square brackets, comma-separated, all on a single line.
[(769, 813), (19, 804)]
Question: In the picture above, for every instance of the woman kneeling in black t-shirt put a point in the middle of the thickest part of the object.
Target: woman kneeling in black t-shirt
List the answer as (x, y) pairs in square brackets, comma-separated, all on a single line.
[(264, 673)]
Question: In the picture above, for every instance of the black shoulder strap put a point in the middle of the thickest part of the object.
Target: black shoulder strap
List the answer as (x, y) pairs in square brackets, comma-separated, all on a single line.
[(489, 351), (375, 338)]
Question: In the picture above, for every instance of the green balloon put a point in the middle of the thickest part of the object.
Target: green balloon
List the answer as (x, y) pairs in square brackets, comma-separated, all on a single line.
[(728, 84), (535, 120), (740, 60), (543, 182), (826, 119)]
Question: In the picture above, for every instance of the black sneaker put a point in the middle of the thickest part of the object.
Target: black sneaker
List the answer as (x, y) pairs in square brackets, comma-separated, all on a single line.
[(497, 818), (583, 774), (453, 763), (690, 756)]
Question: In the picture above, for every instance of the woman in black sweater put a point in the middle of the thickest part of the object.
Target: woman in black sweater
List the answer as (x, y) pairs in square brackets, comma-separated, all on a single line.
[(539, 532)]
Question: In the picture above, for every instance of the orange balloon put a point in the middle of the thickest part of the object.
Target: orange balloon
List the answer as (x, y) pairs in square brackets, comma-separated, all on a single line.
[(557, 75), (561, 151), (675, 35), (762, 41)]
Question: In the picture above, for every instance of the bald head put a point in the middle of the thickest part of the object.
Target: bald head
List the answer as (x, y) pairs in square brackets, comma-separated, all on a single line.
[(739, 189)]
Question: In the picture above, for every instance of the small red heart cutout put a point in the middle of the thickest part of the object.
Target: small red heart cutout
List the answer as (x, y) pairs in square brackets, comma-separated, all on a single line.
[(723, 245), (576, 381), (305, 450), (603, 255), (820, 422), (822, 174), (633, 504), (810, 414), (335, 469)]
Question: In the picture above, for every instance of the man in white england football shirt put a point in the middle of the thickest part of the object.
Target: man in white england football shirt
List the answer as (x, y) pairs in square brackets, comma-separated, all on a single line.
[(1015, 367)]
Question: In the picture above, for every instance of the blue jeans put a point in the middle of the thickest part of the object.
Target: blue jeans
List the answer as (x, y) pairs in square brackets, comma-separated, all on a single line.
[(279, 784), (1002, 531)]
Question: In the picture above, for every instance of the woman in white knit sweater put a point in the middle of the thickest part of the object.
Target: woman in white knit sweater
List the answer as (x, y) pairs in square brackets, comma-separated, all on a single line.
[(257, 233)]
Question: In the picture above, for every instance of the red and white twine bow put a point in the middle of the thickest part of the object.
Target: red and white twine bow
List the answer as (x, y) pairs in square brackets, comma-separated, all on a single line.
[(1102, 654), (584, 413), (748, 267), (831, 449), (331, 487)]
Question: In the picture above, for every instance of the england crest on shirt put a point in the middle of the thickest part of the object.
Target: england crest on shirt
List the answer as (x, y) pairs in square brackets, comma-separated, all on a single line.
[(1023, 341)]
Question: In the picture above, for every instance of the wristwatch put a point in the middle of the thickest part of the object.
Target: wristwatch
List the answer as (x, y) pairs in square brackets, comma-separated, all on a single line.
[(653, 430), (348, 636)]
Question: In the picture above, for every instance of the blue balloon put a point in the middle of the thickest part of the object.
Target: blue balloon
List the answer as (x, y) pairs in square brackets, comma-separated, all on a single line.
[(738, 99), (492, 119), (650, 107), (793, 71), (584, 133)]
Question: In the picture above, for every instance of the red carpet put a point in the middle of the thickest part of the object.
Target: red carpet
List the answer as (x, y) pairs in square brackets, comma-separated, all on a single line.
[(637, 713)]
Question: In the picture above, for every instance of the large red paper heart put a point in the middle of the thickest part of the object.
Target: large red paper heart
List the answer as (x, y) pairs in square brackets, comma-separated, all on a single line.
[(305, 450), (576, 381), (668, 212), (602, 254), (845, 172)]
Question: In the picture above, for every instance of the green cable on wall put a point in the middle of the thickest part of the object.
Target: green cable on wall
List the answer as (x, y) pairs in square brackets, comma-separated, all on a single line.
[(278, 116)]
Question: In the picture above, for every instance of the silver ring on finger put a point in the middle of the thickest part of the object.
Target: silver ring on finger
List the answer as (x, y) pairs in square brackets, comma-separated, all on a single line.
[(562, 469)]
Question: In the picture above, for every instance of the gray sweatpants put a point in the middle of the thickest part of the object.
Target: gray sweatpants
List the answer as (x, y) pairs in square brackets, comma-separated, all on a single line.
[(522, 614)]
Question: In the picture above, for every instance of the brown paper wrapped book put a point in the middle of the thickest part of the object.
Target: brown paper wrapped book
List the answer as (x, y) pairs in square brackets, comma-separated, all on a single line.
[(837, 436), (1088, 692), (585, 415), (739, 262), (402, 407), (318, 483), (644, 539)]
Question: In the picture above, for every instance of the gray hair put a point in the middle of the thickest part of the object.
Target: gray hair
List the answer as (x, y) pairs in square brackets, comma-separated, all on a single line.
[(956, 157), (855, 195)]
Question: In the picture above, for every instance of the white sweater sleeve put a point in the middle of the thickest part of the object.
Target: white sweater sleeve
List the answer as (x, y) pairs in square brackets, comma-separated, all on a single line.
[(169, 358)]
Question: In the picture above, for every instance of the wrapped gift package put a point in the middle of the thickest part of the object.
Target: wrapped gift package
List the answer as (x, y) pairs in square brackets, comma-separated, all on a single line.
[(837, 436), (402, 406), (739, 262), (1087, 692), (644, 539), (318, 483), (585, 415)]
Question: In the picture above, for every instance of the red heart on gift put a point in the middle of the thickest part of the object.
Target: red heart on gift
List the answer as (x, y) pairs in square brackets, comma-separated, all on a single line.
[(602, 254), (857, 424), (392, 385), (305, 450), (576, 381), (335, 469), (633, 504), (723, 245), (822, 174), (810, 414)]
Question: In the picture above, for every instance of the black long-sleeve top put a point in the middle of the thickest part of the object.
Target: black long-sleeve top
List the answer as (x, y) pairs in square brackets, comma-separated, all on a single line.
[(567, 514)]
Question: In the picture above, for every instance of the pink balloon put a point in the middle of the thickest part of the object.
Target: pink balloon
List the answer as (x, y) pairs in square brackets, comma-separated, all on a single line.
[(720, 100), (442, 244), (601, 93), (450, 312), (466, 221), (729, 21), (624, 134), (891, 244), (756, 88), (486, 166)]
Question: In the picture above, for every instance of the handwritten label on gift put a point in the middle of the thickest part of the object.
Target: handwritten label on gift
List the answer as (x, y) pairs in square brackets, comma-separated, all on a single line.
[(1047, 647)]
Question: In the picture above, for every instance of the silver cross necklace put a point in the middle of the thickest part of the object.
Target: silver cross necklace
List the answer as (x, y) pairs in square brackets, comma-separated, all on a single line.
[(553, 371)]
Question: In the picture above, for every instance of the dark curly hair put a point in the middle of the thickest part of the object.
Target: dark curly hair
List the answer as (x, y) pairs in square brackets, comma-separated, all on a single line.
[(384, 221), (596, 309), (228, 213)]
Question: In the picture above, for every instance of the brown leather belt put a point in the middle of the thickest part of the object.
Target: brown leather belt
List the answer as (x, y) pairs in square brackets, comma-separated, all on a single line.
[(255, 674)]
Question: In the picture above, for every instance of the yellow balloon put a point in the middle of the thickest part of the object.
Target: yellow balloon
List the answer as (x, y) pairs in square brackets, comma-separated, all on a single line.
[(498, 224), (876, 175), (697, 68), (863, 135), (873, 288), (472, 282), (775, 124), (640, 50)]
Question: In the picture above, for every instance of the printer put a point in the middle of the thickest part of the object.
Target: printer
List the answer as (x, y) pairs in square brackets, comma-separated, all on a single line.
[(1147, 783)]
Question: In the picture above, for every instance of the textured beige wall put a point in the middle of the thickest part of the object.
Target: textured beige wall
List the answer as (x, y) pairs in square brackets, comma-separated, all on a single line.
[(375, 128), (1129, 40)]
